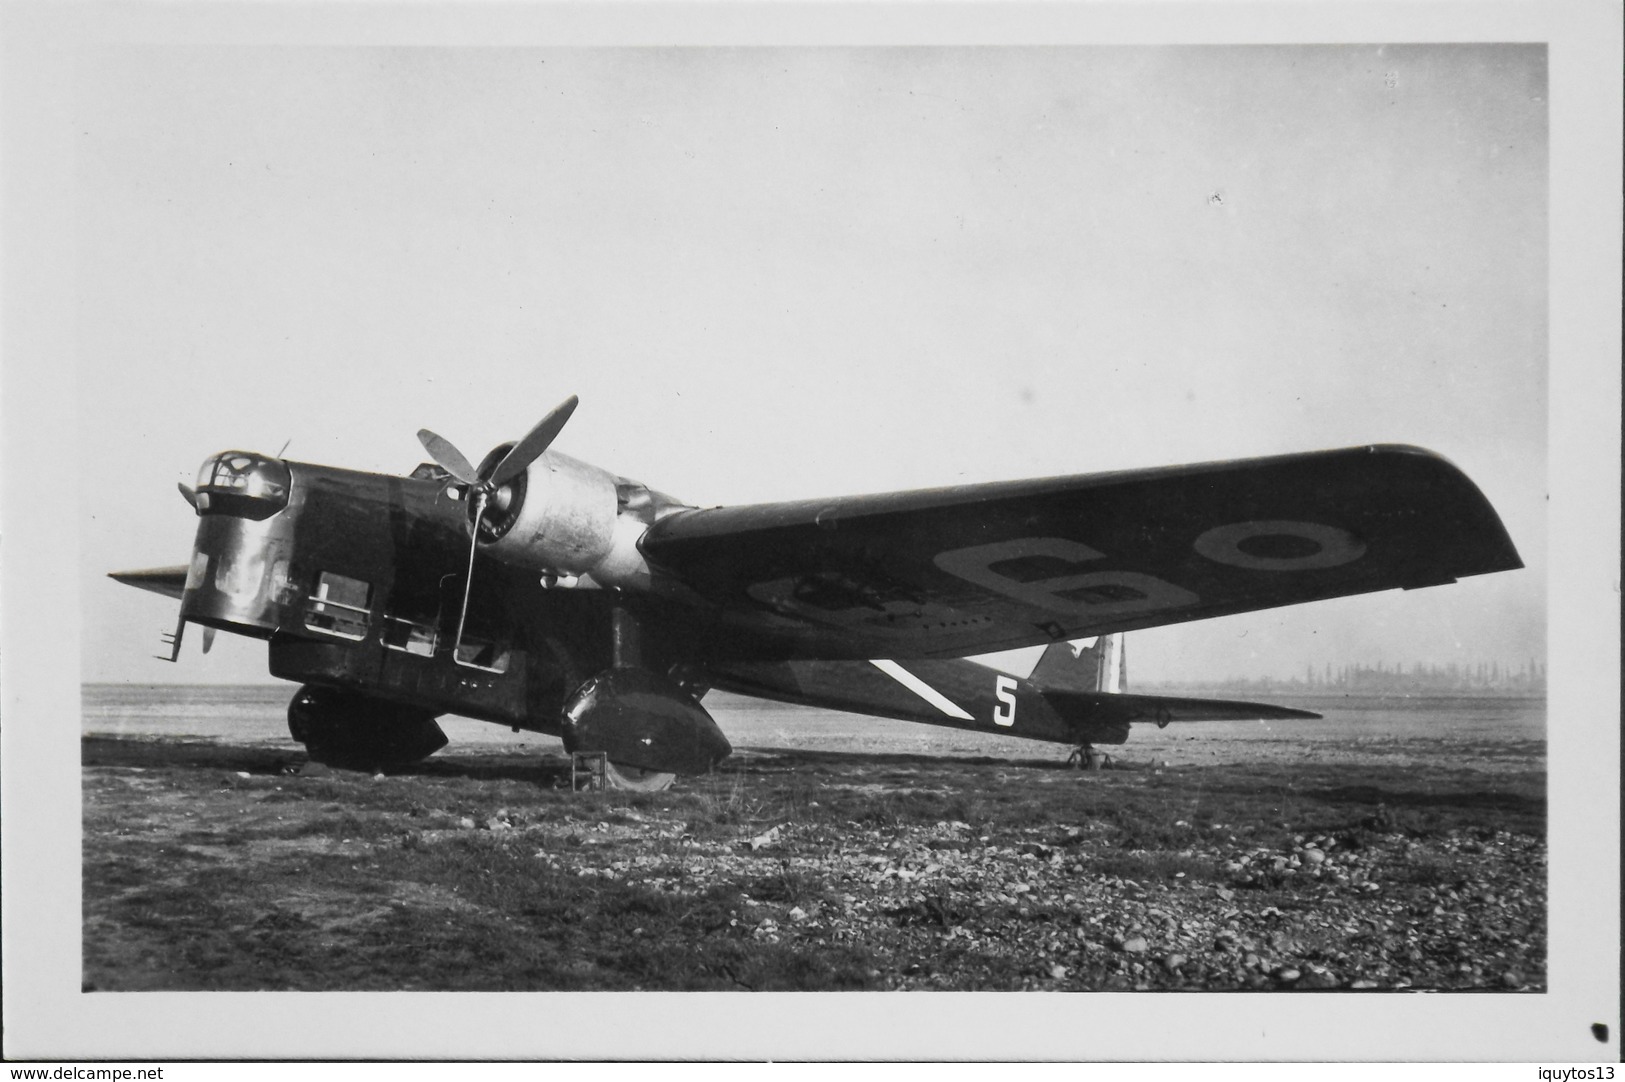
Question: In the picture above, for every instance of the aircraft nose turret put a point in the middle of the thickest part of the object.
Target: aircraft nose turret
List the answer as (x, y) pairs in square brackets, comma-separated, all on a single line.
[(240, 483), (239, 576)]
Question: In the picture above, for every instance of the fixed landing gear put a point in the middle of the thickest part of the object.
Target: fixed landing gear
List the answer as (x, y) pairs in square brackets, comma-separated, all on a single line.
[(1085, 757), (636, 780), (596, 771), (347, 730)]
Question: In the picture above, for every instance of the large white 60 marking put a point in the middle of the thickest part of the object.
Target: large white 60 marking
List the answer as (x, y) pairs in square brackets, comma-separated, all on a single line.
[(1093, 593), (1121, 593)]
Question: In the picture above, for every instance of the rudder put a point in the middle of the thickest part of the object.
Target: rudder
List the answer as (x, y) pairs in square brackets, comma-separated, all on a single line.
[(1096, 665)]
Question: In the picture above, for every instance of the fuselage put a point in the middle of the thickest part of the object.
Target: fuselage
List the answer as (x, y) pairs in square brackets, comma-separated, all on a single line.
[(355, 579)]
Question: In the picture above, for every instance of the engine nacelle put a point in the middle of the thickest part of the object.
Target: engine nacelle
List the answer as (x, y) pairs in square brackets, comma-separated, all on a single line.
[(564, 517)]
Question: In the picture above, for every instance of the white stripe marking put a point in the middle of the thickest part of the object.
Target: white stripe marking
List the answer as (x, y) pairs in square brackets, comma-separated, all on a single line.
[(922, 689)]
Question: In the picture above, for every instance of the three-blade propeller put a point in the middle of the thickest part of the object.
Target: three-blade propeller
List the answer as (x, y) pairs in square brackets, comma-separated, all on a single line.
[(481, 489)]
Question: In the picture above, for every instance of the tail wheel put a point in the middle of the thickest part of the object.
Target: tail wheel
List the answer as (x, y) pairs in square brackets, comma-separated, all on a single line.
[(1087, 758), (635, 779)]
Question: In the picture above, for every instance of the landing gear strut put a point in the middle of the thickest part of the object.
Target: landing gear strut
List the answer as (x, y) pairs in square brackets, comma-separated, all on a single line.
[(1085, 757)]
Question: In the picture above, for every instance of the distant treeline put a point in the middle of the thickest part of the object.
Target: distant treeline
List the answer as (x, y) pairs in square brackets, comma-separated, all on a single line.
[(1419, 678)]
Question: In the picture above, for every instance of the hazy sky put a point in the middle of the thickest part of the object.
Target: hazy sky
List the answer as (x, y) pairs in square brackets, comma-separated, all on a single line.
[(781, 273)]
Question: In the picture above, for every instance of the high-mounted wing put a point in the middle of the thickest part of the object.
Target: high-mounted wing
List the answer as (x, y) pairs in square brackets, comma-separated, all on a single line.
[(954, 571)]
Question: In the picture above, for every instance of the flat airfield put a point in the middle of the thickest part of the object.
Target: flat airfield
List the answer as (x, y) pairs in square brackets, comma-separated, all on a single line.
[(1396, 844)]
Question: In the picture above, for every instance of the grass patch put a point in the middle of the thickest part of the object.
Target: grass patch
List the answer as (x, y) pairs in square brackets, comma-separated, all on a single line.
[(787, 884)]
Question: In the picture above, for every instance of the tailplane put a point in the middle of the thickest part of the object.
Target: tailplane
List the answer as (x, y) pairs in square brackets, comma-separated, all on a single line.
[(1087, 681), (1083, 665)]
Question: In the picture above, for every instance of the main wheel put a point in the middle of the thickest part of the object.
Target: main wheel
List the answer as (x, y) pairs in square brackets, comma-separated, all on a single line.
[(635, 779), (344, 729)]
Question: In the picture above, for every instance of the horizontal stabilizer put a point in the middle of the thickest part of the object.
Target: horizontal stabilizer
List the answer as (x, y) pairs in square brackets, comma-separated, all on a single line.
[(169, 581), (1093, 707)]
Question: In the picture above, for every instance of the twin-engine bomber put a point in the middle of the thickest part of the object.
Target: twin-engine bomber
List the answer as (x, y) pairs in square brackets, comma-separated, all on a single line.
[(547, 594)]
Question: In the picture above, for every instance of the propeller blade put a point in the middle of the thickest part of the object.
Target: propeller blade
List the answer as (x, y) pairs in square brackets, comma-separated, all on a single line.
[(188, 493), (448, 457), (208, 638), (536, 441), (518, 458)]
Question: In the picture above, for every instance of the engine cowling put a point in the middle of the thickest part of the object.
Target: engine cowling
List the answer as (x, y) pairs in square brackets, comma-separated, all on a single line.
[(564, 517)]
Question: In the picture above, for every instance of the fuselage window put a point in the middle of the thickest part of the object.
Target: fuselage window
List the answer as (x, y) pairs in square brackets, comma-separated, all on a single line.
[(482, 654), (277, 586), (239, 576), (408, 637), (340, 606), (198, 573)]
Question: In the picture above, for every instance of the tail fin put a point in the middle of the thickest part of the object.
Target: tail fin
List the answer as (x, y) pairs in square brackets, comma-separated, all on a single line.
[(1083, 665)]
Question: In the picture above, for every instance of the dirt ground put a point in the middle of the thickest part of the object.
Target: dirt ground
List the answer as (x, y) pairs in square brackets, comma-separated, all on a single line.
[(1360, 859)]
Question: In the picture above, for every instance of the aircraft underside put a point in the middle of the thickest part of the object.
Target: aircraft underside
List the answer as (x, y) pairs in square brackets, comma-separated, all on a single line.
[(365, 707)]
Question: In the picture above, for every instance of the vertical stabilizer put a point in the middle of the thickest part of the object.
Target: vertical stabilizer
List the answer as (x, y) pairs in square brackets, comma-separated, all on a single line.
[(1096, 664)]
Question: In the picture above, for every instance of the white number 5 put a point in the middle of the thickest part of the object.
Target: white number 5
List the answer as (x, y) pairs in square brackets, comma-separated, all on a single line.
[(1004, 687)]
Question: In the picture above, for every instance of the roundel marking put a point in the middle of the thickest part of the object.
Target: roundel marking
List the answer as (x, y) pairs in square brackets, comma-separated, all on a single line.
[(1280, 546)]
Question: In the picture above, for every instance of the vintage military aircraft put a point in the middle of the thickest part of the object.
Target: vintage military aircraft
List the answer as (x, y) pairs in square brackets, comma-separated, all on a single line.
[(547, 594)]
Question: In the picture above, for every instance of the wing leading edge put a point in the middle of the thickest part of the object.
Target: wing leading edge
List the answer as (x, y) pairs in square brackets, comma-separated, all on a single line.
[(954, 571)]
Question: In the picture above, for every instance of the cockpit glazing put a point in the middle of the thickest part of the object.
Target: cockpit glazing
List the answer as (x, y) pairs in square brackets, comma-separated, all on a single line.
[(243, 484)]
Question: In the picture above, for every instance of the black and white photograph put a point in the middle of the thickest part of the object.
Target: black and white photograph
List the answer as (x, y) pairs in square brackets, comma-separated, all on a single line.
[(1119, 528)]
